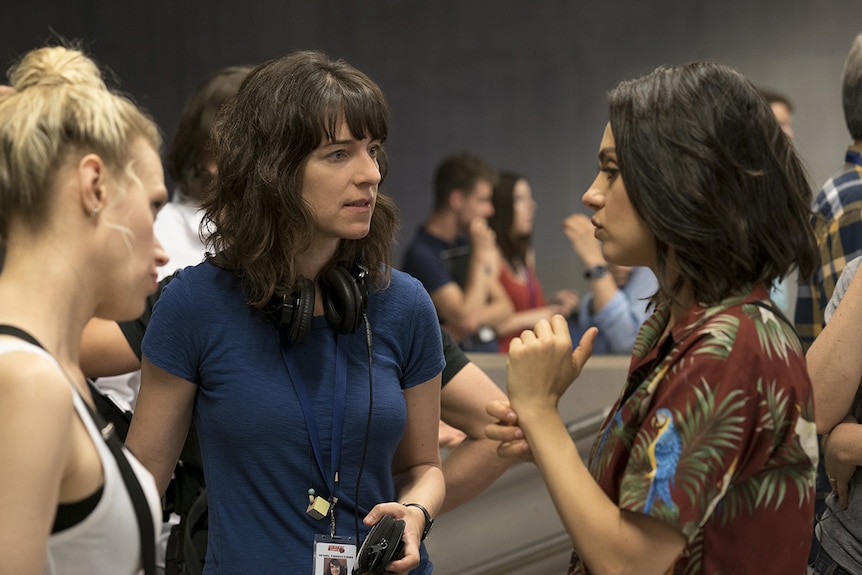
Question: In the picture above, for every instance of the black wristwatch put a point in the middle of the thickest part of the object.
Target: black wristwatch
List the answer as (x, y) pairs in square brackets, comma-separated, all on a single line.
[(429, 523), (596, 272)]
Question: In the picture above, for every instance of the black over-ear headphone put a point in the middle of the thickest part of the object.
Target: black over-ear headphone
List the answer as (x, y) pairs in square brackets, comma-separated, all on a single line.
[(345, 297)]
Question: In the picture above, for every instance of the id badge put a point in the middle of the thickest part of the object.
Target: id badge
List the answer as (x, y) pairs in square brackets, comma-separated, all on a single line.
[(334, 555)]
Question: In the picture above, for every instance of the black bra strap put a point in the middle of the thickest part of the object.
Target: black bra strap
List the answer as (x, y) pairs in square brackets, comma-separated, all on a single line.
[(146, 528), (20, 334)]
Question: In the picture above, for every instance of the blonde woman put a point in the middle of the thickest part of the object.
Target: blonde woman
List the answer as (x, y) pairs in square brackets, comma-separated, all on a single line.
[(81, 182)]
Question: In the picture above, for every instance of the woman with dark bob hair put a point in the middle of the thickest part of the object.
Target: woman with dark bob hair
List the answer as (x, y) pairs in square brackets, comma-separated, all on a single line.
[(706, 462), (309, 432)]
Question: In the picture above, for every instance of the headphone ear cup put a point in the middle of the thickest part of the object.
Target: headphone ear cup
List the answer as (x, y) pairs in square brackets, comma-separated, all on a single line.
[(296, 316), (343, 300)]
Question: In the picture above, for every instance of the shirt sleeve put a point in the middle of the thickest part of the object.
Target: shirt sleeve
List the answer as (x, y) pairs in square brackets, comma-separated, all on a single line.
[(844, 281), (135, 329), (169, 341), (456, 359), (620, 320), (425, 349)]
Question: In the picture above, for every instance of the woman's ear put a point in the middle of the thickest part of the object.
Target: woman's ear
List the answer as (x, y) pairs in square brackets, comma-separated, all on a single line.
[(92, 177)]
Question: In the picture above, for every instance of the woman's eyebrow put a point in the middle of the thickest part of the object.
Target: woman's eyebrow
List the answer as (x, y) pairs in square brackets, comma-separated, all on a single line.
[(606, 154)]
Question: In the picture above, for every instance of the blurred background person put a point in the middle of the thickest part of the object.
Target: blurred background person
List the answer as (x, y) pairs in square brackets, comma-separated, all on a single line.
[(782, 109), (835, 366), (783, 293), (191, 167), (454, 254), (837, 222), (837, 218), (512, 224), (618, 300)]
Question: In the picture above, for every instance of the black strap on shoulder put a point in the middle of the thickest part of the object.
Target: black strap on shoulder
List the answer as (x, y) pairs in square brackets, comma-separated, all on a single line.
[(146, 528), (20, 334)]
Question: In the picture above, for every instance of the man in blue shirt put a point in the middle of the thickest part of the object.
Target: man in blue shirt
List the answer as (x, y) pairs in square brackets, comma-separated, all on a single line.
[(454, 254)]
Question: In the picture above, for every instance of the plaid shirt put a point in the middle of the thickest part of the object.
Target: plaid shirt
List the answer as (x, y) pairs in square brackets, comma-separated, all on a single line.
[(837, 222)]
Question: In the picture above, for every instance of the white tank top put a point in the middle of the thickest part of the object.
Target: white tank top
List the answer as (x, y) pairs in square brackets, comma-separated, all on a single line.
[(106, 542)]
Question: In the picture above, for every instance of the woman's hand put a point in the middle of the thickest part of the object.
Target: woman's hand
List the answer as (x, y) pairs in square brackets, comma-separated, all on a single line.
[(450, 437), (483, 241), (542, 365), (567, 301), (507, 432), (414, 525), (581, 232)]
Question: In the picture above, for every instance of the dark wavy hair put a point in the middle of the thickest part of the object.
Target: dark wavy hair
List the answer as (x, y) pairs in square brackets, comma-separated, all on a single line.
[(709, 171), (284, 109), (513, 249)]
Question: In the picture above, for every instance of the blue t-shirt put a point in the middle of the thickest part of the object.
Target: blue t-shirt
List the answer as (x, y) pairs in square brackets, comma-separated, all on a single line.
[(255, 445), (436, 262)]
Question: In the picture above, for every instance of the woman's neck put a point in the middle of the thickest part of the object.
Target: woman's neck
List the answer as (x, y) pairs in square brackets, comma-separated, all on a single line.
[(310, 262), (54, 316)]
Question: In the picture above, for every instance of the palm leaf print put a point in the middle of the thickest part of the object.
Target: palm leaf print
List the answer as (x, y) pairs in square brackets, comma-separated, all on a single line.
[(793, 464), (772, 333), (606, 443), (708, 432), (694, 553), (649, 334), (741, 500), (774, 416), (789, 464), (721, 331), (792, 468)]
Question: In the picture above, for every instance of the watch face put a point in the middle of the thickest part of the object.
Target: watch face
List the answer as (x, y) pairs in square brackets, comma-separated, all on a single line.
[(596, 272), (486, 334)]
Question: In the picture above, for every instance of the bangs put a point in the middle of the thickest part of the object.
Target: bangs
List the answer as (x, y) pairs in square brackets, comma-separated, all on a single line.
[(364, 110)]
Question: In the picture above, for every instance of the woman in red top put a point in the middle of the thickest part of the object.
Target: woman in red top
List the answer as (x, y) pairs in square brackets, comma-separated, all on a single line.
[(512, 222)]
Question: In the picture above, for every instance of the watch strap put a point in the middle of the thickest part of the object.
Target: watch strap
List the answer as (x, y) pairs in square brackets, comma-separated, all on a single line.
[(596, 272), (429, 522)]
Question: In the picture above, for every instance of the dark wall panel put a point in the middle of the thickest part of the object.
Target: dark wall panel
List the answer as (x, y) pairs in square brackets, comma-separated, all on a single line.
[(519, 82)]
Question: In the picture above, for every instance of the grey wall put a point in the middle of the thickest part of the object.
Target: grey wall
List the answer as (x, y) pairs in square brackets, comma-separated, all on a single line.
[(519, 82)]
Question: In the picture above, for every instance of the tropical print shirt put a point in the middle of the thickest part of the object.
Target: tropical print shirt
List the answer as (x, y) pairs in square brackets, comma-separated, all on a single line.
[(714, 434)]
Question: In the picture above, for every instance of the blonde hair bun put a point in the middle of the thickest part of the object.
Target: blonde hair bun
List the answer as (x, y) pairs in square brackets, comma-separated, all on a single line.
[(55, 66)]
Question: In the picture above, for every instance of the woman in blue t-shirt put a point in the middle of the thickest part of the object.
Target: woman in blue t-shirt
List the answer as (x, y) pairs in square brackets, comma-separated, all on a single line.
[(310, 366)]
